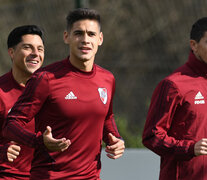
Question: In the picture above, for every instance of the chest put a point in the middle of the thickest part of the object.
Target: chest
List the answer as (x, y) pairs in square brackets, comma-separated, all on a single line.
[(75, 97), (195, 96)]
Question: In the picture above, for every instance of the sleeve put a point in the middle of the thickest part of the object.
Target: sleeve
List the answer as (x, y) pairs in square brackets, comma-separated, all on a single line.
[(165, 100), (3, 152), (109, 124), (25, 109), (3, 145)]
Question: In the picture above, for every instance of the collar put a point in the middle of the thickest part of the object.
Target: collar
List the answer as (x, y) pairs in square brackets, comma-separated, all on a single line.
[(79, 72), (198, 66)]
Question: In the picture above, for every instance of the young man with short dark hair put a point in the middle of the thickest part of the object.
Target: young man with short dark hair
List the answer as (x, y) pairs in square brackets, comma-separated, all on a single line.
[(26, 50)]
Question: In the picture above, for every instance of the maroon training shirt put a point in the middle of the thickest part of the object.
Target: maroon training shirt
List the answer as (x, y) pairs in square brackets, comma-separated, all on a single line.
[(77, 105), (10, 90), (177, 119)]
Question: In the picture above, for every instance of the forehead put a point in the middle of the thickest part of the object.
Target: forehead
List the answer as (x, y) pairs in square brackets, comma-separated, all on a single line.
[(86, 24), (31, 39)]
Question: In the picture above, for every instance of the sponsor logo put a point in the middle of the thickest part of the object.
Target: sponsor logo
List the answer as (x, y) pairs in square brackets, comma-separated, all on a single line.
[(199, 99), (70, 95)]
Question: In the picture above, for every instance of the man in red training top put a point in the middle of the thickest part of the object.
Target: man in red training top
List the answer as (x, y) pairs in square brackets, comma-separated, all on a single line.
[(176, 126), (26, 49), (72, 98)]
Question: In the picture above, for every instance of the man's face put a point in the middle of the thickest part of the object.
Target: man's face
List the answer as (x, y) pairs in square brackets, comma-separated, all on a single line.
[(28, 55), (200, 48), (84, 38)]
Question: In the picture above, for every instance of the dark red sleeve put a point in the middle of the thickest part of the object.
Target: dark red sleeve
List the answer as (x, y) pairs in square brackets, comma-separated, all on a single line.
[(24, 110), (163, 105), (109, 124), (3, 153)]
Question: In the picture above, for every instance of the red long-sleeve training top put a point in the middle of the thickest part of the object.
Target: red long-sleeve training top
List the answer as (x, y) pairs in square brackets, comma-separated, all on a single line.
[(177, 119), (78, 106), (10, 90)]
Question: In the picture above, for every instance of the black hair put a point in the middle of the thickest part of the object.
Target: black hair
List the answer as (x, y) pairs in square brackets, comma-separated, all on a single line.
[(198, 29), (81, 14), (15, 36)]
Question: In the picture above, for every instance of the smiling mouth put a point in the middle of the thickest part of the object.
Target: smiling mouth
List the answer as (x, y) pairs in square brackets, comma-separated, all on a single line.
[(33, 62)]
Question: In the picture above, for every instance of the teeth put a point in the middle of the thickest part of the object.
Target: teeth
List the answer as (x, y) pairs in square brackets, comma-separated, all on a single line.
[(33, 62)]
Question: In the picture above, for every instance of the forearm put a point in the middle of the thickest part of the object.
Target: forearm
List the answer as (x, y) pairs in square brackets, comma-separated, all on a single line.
[(3, 152), (14, 131), (163, 145), (110, 127)]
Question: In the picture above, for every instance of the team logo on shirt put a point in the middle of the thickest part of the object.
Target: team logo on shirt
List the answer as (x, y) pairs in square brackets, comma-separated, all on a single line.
[(199, 99), (103, 94)]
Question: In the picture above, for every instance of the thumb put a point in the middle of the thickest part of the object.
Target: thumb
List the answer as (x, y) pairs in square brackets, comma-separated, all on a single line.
[(13, 142), (48, 130), (112, 138)]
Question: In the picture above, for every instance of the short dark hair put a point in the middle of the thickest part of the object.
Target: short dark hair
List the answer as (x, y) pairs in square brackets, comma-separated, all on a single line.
[(81, 14), (198, 29), (15, 36)]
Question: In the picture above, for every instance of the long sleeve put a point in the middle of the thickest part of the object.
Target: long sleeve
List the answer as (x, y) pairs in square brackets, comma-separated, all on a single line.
[(109, 124), (3, 152), (156, 135), (24, 110)]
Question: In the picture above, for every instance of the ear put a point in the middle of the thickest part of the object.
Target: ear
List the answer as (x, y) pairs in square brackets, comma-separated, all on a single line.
[(11, 53), (193, 45), (66, 37), (100, 39)]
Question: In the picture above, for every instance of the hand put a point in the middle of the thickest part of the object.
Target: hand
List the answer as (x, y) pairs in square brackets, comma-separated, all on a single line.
[(54, 144), (116, 147), (200, 147), (13, 151)]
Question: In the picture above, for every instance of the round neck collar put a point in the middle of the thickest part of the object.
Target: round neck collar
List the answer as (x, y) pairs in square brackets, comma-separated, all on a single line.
[(81, 73)]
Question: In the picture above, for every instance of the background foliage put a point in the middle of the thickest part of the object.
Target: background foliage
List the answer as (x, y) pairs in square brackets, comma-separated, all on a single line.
[(143, 42)]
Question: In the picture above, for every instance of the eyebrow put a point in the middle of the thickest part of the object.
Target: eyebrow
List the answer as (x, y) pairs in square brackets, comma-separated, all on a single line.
[(28, 44), (81, 31)]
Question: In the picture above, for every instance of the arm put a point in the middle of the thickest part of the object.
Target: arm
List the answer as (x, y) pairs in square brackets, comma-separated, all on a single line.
[(165, 100), (26, 107), (8, 150), (115, 144)]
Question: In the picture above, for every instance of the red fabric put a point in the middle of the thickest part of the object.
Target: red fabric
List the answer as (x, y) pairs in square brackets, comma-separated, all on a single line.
[(69, 101), (10, 90), (177, 119)]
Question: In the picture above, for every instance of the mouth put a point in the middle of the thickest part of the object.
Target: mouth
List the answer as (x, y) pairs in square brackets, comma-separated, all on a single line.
[(32, 62), (85, 50)]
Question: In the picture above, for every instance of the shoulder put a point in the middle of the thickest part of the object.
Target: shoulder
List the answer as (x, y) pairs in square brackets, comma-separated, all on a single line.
[(4, 79), (177, 82), (51, 69), (104, 72), (181, 76)]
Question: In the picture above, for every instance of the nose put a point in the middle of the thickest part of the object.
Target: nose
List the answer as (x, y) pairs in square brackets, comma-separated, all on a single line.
[(85, 38), (35, 51)]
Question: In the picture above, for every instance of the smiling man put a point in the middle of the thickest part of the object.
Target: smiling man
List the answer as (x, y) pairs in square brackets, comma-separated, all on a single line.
[(26, 50), (74, 99)]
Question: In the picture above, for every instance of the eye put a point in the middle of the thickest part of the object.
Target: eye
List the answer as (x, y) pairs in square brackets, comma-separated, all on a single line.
[(41, 49), (78, 33), (26, 47), (91, 34)]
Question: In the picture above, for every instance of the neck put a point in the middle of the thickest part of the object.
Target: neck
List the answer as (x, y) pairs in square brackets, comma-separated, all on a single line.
[(83, 65), (21, 78)]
